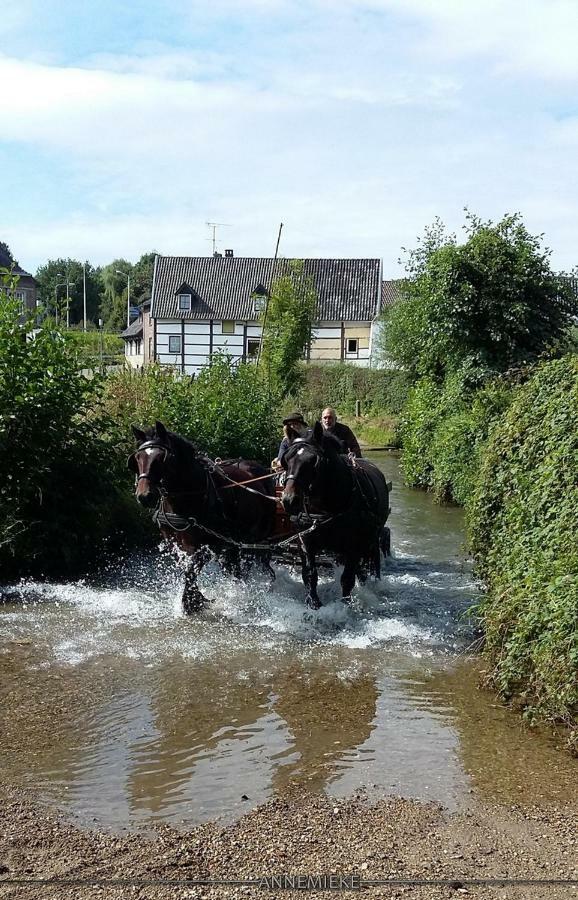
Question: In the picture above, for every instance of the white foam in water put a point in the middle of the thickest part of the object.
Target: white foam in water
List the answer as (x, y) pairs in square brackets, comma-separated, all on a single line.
[(143, 600)]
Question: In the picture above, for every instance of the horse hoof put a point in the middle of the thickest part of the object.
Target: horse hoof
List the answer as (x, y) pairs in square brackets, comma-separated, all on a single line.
[(194, 606), (313, 602)]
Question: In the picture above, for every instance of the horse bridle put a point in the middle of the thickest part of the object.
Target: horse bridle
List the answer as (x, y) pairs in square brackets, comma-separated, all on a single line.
[(319, 459), (168, 454), (148, 445)]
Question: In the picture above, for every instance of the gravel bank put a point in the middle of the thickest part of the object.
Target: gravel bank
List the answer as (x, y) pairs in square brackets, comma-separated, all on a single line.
[(394, 839)]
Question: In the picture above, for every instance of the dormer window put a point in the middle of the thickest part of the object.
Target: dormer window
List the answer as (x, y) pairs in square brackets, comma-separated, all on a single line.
[(260, 296), (185, 295)]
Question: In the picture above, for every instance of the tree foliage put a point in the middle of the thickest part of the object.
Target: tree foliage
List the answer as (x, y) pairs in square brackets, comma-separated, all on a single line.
[(52, 278), (115, 287), (492, 301), (59, 494), (287, 327), (6, 256), (106, 290)]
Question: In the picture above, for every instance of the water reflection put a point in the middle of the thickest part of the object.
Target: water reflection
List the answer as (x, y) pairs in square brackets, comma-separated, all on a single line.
[(505, 759)]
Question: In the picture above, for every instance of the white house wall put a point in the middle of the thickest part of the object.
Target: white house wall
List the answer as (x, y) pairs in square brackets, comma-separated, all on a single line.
[(200, 340), (329, 342)]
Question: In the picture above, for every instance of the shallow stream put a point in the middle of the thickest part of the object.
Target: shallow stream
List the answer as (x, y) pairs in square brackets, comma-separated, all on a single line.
[(118, 710)]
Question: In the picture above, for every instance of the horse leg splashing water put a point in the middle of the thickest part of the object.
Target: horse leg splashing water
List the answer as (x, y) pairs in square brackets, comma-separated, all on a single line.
[(353, 498), (199, 505)]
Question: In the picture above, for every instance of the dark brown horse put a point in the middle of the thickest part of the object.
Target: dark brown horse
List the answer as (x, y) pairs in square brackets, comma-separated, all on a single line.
[(197, 504), (352, 494)]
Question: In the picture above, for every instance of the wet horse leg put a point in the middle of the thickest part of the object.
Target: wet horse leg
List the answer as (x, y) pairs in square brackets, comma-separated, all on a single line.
[(231, 562), (348, 577), (310, 575), (375, 559), (193, 600)]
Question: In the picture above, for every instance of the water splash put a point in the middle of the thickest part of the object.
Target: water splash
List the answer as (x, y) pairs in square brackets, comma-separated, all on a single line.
[(133, 609)]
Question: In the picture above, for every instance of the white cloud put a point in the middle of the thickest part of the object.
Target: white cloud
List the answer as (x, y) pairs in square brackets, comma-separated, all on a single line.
[(355, 134), (533, 37)]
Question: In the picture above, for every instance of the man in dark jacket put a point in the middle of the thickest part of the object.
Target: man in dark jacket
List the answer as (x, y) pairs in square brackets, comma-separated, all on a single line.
[(342, 432), (294, 425)]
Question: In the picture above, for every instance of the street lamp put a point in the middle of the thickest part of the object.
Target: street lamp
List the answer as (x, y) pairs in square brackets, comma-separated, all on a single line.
[(127, 276), (66, 284)]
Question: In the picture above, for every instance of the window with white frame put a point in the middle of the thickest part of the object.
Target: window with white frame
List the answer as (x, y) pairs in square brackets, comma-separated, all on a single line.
[(175, 345), (184, 301), (352, 345), (253, 345), (228, 326)]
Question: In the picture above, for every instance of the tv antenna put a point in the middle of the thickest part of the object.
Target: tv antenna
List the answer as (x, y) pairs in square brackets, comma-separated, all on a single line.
[(214, 226)]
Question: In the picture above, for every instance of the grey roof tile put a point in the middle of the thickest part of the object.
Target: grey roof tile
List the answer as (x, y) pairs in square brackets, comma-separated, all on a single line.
[(347, 289), (391, 291), (134, 330)]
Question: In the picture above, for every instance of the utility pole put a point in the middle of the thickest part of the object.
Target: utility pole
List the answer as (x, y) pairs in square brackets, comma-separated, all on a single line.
[(269, 294), (67, 302), (84, 296)]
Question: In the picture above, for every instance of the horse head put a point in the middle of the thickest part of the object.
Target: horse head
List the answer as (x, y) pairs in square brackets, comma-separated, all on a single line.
[(305, 463), (150, 462)]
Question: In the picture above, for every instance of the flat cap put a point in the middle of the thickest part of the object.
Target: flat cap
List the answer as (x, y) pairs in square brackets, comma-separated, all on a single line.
[(294, 417)]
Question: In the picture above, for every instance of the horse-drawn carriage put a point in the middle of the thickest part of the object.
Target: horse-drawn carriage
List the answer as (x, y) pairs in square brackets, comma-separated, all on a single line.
[(326, 504)]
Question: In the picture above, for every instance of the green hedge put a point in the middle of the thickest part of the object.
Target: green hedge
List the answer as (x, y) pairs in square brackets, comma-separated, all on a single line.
[(523, 522), (443, 430), (341, 384)]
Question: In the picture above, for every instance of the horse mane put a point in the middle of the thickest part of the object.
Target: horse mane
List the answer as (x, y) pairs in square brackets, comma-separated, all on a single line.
[(181, 446), (329, 442)]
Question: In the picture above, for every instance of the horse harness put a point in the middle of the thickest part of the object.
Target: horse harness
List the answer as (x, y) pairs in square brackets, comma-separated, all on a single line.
[(355, 471), (181, 524)]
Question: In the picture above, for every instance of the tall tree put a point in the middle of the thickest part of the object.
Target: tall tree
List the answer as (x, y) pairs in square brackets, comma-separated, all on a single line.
[(287, 325), (6, 256), (113, 308), (492, 302), (142, 278), (52, 278)]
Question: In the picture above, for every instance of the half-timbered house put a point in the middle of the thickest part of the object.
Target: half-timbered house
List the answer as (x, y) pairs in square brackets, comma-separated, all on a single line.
[(202, 305)]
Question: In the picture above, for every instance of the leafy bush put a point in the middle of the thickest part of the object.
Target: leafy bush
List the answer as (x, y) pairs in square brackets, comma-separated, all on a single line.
[(523, 521), (227, 410), (60, 492), (444, 427)]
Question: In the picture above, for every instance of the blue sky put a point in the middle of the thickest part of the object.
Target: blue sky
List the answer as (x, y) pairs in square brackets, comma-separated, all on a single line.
[(125, 127)]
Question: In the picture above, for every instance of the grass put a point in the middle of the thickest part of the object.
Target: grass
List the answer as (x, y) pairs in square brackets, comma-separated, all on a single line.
[(374, 431)]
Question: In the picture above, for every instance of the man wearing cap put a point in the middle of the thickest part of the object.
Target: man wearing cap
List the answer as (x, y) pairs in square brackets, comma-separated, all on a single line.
[(294, 425), (342, 432)]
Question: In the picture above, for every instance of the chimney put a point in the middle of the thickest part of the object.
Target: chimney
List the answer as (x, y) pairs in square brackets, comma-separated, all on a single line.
[(228, 252)]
